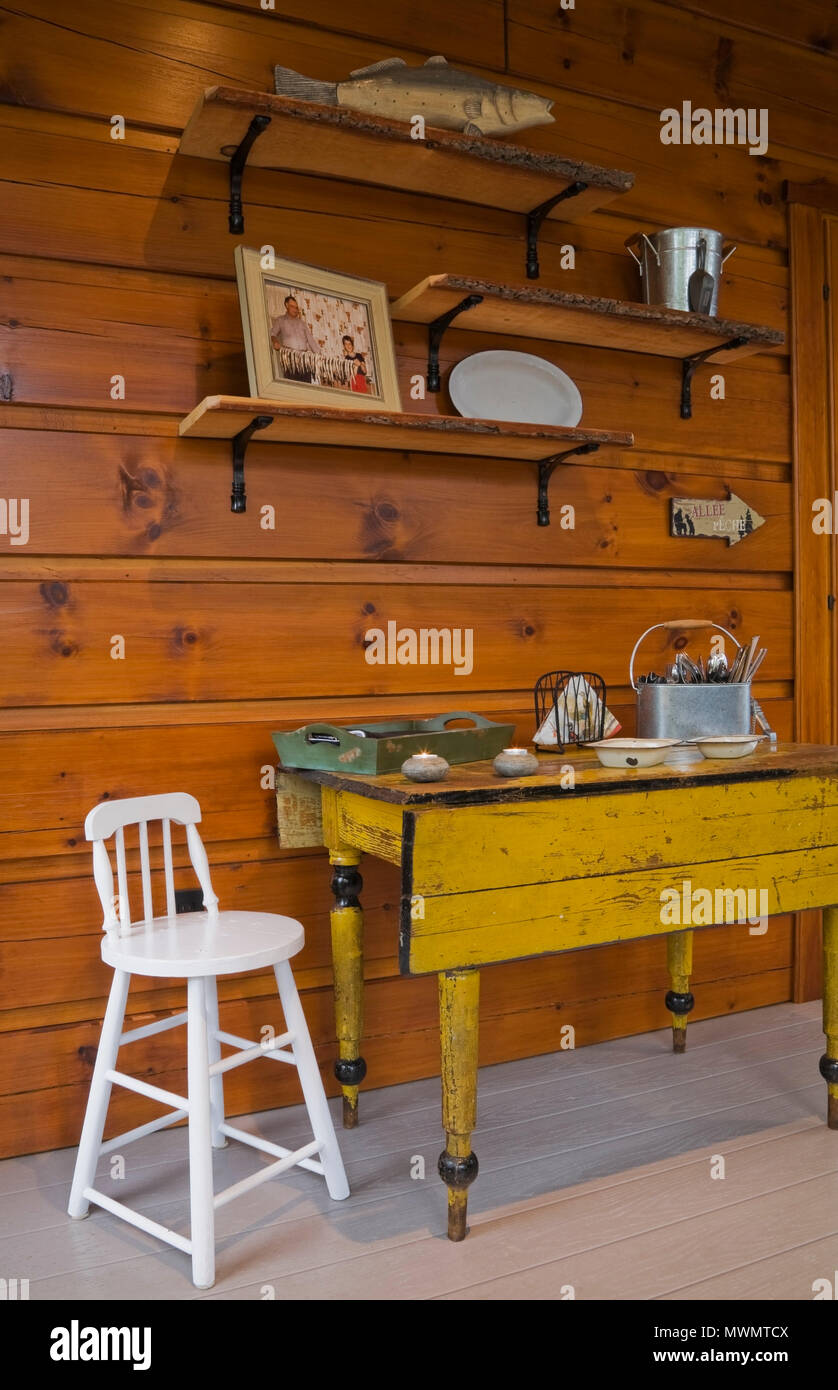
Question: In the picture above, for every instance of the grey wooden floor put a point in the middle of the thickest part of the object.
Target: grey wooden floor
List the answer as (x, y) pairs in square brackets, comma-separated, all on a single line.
[(596, 1176)]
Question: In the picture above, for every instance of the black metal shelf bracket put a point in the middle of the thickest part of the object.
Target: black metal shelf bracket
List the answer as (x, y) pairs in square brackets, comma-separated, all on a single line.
[(240, 441), (546, 468), (238, 159), (436, 333), (537, 216), (688, 366)]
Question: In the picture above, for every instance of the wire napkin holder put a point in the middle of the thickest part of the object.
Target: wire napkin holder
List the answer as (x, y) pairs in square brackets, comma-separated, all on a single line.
[(570, 709)]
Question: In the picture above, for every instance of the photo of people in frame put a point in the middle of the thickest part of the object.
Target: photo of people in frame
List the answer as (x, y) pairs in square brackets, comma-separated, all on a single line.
[(320, 339)]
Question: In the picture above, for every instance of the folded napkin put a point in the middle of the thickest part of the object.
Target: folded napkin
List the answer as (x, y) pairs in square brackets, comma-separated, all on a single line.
[(578, 708)]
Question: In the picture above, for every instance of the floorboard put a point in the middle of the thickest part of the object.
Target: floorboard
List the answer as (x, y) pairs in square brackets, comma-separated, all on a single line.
[(596, 1174)]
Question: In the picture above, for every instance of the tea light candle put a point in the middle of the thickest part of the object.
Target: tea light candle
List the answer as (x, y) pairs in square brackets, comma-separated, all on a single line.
[(425, 767), (515, 762)]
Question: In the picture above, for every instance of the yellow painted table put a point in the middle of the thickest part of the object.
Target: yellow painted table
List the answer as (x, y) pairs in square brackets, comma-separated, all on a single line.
[(575, 856)]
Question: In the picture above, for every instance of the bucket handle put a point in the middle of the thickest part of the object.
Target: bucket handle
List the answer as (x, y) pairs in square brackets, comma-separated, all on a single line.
[(727, 254), (672, 626), (635, 240)]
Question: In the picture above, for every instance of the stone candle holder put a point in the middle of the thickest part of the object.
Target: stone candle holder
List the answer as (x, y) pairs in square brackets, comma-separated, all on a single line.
[(515, 762), (425, 767)]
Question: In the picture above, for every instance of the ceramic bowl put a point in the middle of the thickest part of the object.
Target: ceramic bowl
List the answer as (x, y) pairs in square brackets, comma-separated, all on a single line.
[(632, 752), (727, 745)]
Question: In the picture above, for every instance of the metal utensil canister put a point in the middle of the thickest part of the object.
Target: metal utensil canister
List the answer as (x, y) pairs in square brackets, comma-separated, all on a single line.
[(695, 710), (668, 261)]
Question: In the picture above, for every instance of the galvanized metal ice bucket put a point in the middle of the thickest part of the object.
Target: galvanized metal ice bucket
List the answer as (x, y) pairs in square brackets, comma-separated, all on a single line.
[(691, 711), (668, 259)]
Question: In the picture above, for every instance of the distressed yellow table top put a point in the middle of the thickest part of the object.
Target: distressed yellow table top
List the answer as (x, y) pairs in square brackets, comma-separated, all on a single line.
[(473, 783), (496, 869)]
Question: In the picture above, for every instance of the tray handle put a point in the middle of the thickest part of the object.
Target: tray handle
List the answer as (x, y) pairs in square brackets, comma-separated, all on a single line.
[(672, 625), (439, 721), (325, 733)]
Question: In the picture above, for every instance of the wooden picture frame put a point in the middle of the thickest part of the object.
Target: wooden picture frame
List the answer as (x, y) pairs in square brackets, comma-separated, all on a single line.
[(315, 336)]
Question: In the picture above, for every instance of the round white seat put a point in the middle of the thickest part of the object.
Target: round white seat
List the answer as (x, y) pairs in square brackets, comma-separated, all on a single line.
[(204, 943)]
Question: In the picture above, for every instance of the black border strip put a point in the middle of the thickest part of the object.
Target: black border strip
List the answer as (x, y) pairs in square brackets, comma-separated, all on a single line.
[(405, 919)]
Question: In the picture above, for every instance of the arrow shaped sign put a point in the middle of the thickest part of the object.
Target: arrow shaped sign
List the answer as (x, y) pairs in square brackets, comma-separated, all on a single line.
[(729, 520)]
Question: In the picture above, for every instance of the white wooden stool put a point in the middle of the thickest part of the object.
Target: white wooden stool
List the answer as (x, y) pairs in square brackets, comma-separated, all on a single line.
[(197, 946)]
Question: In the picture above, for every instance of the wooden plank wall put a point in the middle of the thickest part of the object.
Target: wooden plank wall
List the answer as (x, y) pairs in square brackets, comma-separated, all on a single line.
[(115, 259)]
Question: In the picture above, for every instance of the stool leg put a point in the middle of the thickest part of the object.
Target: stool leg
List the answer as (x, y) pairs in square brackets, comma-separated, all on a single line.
[(202, 1213), (100, 1094), (216, 1082), (679, 1001), (459, 998), (347, 920), (311, 1083), (829, 1061)]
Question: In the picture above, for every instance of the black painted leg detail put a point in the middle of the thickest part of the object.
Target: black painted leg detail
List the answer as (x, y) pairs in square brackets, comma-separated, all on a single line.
[(346, 885), (828, 1067), (458, 1173), (679, 1003), (455, 1172), (350, 1071)]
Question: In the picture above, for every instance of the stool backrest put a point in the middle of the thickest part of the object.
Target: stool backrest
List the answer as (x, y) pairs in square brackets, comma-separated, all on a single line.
[(110, 818)]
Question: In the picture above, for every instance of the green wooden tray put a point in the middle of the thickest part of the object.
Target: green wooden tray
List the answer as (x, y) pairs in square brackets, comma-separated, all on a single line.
[(376, 748)]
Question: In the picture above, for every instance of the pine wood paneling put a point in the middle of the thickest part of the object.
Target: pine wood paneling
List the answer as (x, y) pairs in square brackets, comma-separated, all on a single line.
[(136, 496), (808, 22), (184, 236), (151, 497), (220, 759), (64, 1057), (115, 258), (410, 1050), (652, 57), (186, 641)]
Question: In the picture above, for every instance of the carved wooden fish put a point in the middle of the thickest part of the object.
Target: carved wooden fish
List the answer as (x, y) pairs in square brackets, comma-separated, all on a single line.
[(446, 97)]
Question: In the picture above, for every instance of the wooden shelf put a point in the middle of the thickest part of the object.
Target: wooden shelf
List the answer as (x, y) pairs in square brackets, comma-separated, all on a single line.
[(331, 141), (221, 417), (237, 418), (557, 316)]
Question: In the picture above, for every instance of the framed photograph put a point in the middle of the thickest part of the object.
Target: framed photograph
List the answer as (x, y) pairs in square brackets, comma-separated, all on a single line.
[(314, 336)]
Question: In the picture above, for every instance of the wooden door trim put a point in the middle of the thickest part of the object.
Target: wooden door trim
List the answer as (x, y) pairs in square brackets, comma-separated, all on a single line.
[(809, 204), (820, 194)]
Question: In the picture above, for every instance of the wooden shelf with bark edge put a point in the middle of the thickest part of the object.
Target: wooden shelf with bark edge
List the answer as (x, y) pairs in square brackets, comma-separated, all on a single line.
[(276, 132), (556, 316), (237, 418)]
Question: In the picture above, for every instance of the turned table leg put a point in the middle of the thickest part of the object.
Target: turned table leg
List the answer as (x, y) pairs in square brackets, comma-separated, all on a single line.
[(459, 997), (347, 921), (679, 1001), (829, 1061)]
